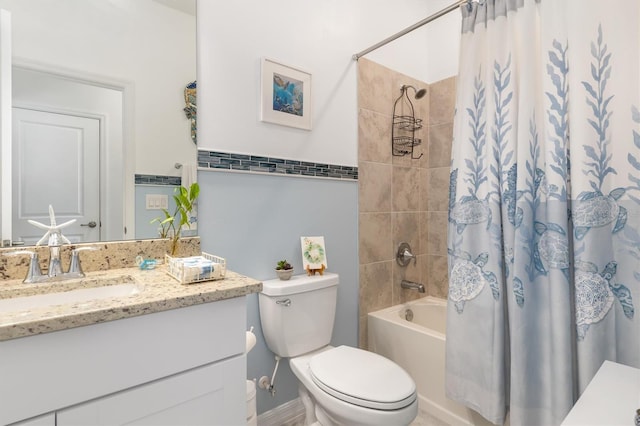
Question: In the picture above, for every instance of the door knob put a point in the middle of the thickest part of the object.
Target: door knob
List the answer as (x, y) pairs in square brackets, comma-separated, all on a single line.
[(91, 224)]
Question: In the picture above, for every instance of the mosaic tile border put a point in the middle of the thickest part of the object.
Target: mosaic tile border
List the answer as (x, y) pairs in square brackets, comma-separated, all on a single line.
[(158, 180), (259, 164)]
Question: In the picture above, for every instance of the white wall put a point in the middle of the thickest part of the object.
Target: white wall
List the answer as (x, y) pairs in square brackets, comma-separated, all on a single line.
[(320, 37), (429, 53), (443, 43), (140, 42)]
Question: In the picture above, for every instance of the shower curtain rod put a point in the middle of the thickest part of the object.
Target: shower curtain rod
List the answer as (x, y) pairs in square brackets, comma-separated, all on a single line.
[(426, 20)]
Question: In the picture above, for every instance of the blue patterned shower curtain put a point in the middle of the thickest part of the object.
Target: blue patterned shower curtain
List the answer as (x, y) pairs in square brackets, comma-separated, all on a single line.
[(544, 208)]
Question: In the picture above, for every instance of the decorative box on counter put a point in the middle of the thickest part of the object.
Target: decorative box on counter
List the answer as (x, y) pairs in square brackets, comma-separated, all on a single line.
[(194, 269)]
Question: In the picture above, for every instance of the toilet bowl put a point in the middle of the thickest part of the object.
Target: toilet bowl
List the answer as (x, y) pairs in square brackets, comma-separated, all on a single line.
[(349, 386), (338, 385)]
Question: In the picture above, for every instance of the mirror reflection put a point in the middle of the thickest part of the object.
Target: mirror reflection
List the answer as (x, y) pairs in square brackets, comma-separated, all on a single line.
[(97, 113)]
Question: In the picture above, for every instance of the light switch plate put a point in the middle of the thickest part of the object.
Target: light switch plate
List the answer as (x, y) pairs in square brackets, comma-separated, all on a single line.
[(156, 201)]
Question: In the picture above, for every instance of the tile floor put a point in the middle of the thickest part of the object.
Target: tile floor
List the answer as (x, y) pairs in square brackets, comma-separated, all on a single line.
[(425, 419)]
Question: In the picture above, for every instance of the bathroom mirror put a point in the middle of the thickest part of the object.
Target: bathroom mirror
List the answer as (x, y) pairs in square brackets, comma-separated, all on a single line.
[(137, 56)]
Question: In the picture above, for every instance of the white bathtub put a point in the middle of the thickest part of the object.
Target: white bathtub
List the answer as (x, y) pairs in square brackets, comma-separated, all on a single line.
[(419, 347)]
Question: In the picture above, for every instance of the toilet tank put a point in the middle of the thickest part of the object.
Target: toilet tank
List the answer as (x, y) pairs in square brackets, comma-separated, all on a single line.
[(297, 315)]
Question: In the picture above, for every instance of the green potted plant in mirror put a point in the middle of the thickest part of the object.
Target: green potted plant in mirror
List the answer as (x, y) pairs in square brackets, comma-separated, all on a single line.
[(284, 270), (170, 226)]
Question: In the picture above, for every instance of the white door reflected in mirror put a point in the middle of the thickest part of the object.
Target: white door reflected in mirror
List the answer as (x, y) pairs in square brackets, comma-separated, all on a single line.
[(57, 162)]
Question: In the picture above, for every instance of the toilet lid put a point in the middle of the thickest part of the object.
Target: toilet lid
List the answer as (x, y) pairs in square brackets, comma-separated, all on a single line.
[(362, 378)]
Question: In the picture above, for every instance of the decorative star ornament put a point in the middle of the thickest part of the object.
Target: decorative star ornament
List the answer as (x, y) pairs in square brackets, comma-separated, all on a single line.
[(53, 234)]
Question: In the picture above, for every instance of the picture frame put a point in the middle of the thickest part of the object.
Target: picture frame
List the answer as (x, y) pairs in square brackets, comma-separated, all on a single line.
[(314, 254), (285, 95)]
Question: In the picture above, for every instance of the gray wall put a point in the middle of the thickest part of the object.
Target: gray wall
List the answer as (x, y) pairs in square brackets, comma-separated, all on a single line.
[(254, 220)]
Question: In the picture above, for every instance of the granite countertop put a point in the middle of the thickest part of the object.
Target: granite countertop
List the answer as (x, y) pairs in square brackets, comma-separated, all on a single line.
[(158, 292)]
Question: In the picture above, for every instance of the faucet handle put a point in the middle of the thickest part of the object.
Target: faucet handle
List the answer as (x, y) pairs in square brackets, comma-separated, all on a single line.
[(34, 272), (404, 255), (75, 267)]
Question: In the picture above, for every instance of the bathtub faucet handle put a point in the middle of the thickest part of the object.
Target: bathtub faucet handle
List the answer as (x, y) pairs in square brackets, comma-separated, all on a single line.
[(404, 255)]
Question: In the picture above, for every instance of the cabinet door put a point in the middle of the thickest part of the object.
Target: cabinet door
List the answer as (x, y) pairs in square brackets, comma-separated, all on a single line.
[(45, 420), (209, 395)]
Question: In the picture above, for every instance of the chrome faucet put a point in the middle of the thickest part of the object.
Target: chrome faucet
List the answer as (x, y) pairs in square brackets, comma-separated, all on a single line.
[(55, 265), (55, 272), (410, 285), (55, 240)]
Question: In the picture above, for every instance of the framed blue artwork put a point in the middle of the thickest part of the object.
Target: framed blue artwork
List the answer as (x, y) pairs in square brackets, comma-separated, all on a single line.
[(285, 95)]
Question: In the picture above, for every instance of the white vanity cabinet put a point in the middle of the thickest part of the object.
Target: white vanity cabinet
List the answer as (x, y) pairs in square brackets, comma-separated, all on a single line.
[(181, 366), (197, 397)]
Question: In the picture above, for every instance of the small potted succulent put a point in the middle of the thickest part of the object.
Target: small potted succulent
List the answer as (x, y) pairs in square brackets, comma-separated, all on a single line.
[(284, 270)]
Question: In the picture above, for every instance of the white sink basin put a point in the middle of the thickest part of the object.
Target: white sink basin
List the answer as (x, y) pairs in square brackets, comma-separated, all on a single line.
[(80, 295)]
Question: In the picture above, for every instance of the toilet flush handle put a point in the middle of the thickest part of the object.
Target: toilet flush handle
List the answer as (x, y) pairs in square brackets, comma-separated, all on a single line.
[(285, 302)]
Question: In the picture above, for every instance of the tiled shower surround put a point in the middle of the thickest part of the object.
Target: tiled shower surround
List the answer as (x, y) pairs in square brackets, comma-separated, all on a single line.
[(401, 199)]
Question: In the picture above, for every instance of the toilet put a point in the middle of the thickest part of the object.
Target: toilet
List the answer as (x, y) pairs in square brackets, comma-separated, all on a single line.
[(337, 385)]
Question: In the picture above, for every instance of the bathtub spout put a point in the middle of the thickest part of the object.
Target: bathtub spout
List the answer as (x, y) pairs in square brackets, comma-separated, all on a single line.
[(412, 286)]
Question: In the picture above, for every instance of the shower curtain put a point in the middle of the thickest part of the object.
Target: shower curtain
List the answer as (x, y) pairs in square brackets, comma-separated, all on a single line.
[(544, 207)]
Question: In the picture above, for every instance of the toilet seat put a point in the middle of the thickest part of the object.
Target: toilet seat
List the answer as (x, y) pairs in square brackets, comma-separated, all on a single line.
[(362, 378)]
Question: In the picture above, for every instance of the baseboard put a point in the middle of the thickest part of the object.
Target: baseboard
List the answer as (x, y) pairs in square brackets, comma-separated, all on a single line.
[(288, 414)]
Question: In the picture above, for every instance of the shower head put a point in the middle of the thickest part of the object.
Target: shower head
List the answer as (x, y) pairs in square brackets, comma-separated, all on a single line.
[(419, 94)]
